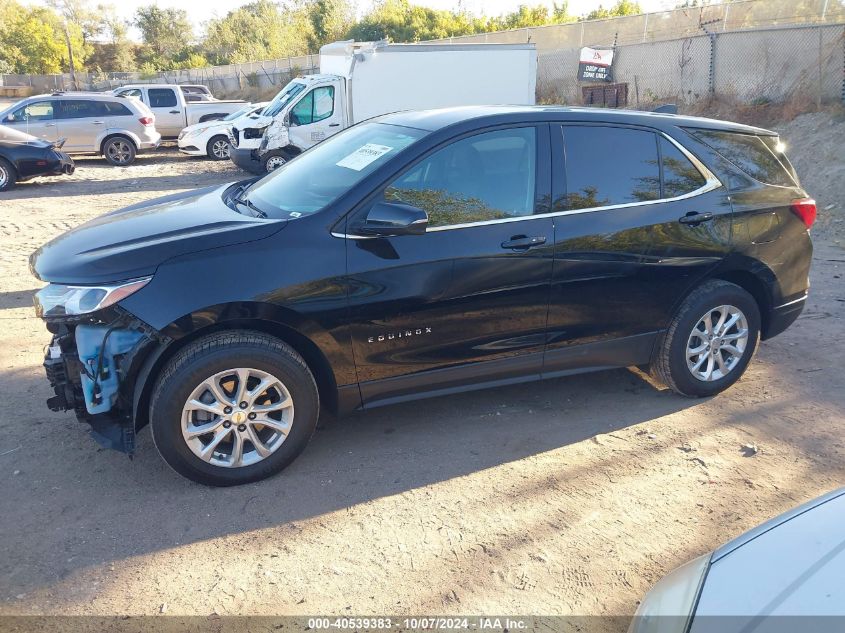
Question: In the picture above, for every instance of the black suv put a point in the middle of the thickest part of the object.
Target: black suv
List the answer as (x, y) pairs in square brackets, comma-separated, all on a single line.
[(424, 253)]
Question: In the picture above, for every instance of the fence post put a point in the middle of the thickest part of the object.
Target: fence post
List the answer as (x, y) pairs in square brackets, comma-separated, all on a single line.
[(712, 80), (819, 97)]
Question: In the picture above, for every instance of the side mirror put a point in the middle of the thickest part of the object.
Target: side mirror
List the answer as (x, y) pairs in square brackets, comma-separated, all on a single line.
[(388, 219)]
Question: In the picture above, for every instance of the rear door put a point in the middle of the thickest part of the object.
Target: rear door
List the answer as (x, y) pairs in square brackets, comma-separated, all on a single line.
[(316, 116), (169, 114), (466, 302), (622, 257), (81, 121)]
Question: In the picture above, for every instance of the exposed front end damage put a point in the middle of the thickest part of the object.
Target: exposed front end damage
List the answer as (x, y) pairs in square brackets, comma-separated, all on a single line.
[(92, 365), (276, 136)]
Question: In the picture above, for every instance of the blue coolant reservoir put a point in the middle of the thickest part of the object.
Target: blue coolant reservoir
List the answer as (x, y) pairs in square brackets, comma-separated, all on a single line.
[(89, 340)]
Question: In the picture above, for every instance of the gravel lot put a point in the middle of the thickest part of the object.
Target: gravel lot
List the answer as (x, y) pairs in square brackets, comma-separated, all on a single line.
[(566, 497)]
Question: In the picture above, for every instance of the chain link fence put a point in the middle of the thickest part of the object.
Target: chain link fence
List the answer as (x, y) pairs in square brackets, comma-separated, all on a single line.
[(765, 65)]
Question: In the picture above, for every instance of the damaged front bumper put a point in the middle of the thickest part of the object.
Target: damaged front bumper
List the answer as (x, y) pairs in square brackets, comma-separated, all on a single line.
[(92, 365)]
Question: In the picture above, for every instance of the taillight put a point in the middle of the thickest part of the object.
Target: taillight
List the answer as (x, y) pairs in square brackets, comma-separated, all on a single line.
[(146, 120), (805, 208)]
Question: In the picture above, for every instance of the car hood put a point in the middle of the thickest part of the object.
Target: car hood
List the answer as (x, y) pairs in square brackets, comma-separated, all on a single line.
[(792, 565), (134, 241), (207, 125)]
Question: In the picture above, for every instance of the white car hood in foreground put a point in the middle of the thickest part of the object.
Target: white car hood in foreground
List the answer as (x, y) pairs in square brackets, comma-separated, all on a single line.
[(793, 565)]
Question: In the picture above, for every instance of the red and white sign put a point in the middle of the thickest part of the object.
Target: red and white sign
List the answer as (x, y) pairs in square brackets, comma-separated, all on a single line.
[(594, 64)]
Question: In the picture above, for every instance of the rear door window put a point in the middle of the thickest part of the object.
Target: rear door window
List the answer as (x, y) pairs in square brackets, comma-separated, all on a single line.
[(750, 154), (609, 166), (81, 108), (162, 97)]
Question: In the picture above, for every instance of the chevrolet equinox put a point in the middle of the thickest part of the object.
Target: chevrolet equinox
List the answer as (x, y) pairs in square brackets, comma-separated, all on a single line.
[(423, 253)]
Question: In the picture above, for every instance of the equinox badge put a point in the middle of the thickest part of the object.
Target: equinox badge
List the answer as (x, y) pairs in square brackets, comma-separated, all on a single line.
[(400, 334)]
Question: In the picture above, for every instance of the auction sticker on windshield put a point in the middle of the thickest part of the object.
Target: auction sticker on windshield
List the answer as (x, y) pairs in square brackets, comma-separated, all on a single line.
[(363, 156)]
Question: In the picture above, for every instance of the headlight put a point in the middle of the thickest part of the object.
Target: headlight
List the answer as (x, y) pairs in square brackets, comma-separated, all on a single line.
[(58, 300), (196, 132), (668, 607)]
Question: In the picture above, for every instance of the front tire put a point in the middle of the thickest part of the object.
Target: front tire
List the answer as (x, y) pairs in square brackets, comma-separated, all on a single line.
[(119, 151), (217, 147), (710, 342), (271, 161), (233, 408), (8, 175)]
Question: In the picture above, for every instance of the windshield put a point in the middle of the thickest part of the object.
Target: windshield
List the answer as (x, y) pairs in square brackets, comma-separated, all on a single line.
[(238, 113), (283, 98), (322, 174)]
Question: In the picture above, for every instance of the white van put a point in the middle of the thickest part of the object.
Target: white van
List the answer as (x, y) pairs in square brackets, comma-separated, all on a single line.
[(358, 81)]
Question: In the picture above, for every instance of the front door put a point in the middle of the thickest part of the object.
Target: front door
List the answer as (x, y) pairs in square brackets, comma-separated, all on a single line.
[(466, 302), (316, 116), (36, 118)]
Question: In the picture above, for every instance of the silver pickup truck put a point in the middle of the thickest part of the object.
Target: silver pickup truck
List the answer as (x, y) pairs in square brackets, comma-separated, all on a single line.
[(172, 111)]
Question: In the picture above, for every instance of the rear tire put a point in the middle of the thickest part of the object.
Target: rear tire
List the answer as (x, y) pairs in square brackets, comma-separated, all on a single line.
[(217, 147), (8, 175), (200, 390), (710, 342), (119, 151)]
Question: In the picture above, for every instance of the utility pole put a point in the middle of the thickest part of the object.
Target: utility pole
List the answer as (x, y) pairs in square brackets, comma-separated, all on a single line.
[(70, 56)]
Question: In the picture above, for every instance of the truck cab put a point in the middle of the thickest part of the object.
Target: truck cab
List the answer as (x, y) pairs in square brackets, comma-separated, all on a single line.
[(306, 111), (172, 111)]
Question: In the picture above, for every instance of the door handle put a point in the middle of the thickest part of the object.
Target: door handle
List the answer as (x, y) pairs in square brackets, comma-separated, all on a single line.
[(693, 217), (97, 122), (333, 124), (523, 242), (174, 111), (49, 125)]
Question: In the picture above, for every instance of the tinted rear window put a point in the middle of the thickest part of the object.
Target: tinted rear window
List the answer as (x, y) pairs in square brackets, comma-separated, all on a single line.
[(750, 153), (607, 166)]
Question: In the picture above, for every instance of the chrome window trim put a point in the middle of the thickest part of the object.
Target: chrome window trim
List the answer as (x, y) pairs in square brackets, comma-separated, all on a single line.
[(710, 183)]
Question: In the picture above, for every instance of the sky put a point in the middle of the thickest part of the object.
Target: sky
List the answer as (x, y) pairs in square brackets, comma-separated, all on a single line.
[(201, 11)]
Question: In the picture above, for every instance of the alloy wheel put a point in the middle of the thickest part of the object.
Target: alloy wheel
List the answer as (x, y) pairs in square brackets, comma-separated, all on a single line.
[(220, 149), (717, 343), (237, 417), (4, 176), (119, 151)]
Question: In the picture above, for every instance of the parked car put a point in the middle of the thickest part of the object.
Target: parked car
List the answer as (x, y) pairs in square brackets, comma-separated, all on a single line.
[(212, 137), (23, 156), (91, 123), (196, 92), (172, 111), (424, 253), (359, 81), (785, 574)]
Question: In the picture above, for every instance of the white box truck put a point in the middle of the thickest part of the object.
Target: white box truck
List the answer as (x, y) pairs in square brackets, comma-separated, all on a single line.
[(361, 80)]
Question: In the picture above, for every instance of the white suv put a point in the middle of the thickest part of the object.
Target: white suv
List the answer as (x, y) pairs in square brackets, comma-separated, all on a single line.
[(92, 123)]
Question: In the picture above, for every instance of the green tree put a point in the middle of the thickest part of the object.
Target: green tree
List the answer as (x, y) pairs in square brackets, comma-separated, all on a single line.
[(115, 52), (401, 21), (32, 40), (622, 7), (330, 19), (166, 33), (256, 31)]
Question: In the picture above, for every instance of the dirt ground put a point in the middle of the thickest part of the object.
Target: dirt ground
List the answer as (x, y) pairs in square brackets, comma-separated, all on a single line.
[(571, 496)]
